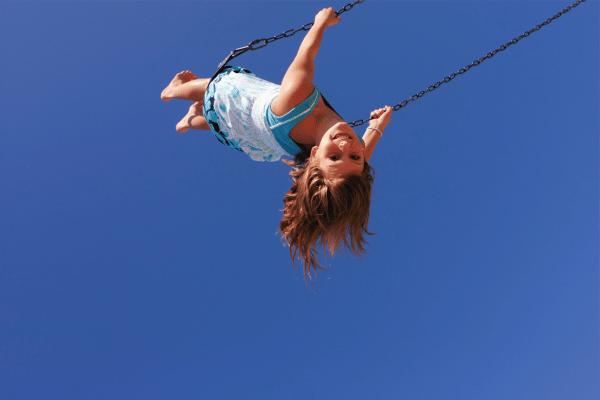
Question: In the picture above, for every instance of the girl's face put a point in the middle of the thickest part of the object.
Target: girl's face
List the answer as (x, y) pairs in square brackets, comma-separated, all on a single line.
[(340, 152)]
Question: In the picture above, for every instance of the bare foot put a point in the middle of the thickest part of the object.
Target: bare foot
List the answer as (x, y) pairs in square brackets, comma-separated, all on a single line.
[(183, 125), (182, 77)]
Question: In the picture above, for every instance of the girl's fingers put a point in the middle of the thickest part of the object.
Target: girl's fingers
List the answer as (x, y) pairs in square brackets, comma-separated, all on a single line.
[(380, 111)]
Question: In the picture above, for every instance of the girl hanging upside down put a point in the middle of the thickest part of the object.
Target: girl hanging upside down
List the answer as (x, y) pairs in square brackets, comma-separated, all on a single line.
[(328, 203)]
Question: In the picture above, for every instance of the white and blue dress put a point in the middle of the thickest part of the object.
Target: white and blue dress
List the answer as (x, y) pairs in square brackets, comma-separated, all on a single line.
[(237, 107)]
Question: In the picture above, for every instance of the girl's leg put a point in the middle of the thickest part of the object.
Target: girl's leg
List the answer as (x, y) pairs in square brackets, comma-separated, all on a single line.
[(185, 86), (193, 120)]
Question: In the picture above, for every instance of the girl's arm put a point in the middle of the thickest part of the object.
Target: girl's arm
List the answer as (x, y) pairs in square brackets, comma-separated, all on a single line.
[(372, 136), (297, 84), (312, 41)]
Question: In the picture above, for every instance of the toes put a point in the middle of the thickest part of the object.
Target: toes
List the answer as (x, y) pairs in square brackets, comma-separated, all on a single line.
[(186, 76)]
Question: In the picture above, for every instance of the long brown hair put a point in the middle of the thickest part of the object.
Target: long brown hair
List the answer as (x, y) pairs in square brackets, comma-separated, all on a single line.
[(323, 212)]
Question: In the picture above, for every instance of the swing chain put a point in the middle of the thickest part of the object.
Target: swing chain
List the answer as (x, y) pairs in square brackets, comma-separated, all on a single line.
[(473, 64), (260, 43), (291, 32)]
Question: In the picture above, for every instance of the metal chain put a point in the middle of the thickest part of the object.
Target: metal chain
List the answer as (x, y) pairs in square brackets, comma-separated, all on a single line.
[(260, 43), (473, 64)]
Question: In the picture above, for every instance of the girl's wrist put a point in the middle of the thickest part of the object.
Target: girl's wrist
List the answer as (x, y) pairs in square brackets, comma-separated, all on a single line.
[(320, 27), (380, 130)]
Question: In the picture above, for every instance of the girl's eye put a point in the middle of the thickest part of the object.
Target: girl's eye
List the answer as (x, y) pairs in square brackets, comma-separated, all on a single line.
[(334, 158), (356, 158)]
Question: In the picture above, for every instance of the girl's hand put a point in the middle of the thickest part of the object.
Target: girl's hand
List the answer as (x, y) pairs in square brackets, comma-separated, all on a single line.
[(383, 116), (327, 18)]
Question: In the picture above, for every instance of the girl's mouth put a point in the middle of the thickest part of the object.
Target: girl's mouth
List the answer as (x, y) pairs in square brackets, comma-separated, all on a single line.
[(342, 136)]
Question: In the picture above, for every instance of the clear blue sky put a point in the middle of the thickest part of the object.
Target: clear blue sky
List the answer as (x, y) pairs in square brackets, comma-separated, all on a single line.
[(138, 263)]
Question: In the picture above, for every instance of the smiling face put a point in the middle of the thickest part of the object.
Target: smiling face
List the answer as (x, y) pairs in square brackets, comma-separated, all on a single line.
[(340, 152)]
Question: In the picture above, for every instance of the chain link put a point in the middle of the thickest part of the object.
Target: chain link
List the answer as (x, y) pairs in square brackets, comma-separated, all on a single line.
[(473, 64)]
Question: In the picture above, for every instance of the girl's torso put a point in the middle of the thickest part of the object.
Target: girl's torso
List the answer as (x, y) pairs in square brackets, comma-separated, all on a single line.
[(237, 114)]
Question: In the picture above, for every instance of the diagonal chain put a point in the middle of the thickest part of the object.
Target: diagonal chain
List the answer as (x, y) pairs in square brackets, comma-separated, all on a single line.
[(473, 64)]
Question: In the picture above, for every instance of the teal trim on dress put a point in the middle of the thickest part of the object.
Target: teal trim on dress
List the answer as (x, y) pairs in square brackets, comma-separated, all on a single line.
[(282, 126)]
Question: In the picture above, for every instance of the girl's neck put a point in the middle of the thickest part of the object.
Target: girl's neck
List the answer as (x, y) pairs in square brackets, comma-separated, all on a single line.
[(310, 131), (325, 120)]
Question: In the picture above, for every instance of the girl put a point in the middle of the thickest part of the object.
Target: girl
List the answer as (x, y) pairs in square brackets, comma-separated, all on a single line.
[(328, 203)]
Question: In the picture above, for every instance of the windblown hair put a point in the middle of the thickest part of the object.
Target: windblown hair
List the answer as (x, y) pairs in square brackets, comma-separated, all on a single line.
[(322, 212)]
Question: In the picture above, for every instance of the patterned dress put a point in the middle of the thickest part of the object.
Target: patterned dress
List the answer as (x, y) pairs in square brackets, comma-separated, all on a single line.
[(235, 107)]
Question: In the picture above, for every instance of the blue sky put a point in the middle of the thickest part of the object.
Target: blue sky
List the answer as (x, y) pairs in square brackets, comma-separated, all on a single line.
[(138, 263)]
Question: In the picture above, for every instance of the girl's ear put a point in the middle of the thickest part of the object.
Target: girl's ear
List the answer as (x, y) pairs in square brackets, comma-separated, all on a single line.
[(313, 151)]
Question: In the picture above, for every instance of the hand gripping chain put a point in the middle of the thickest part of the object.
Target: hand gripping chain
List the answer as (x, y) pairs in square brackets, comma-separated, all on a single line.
[(260, 43)]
